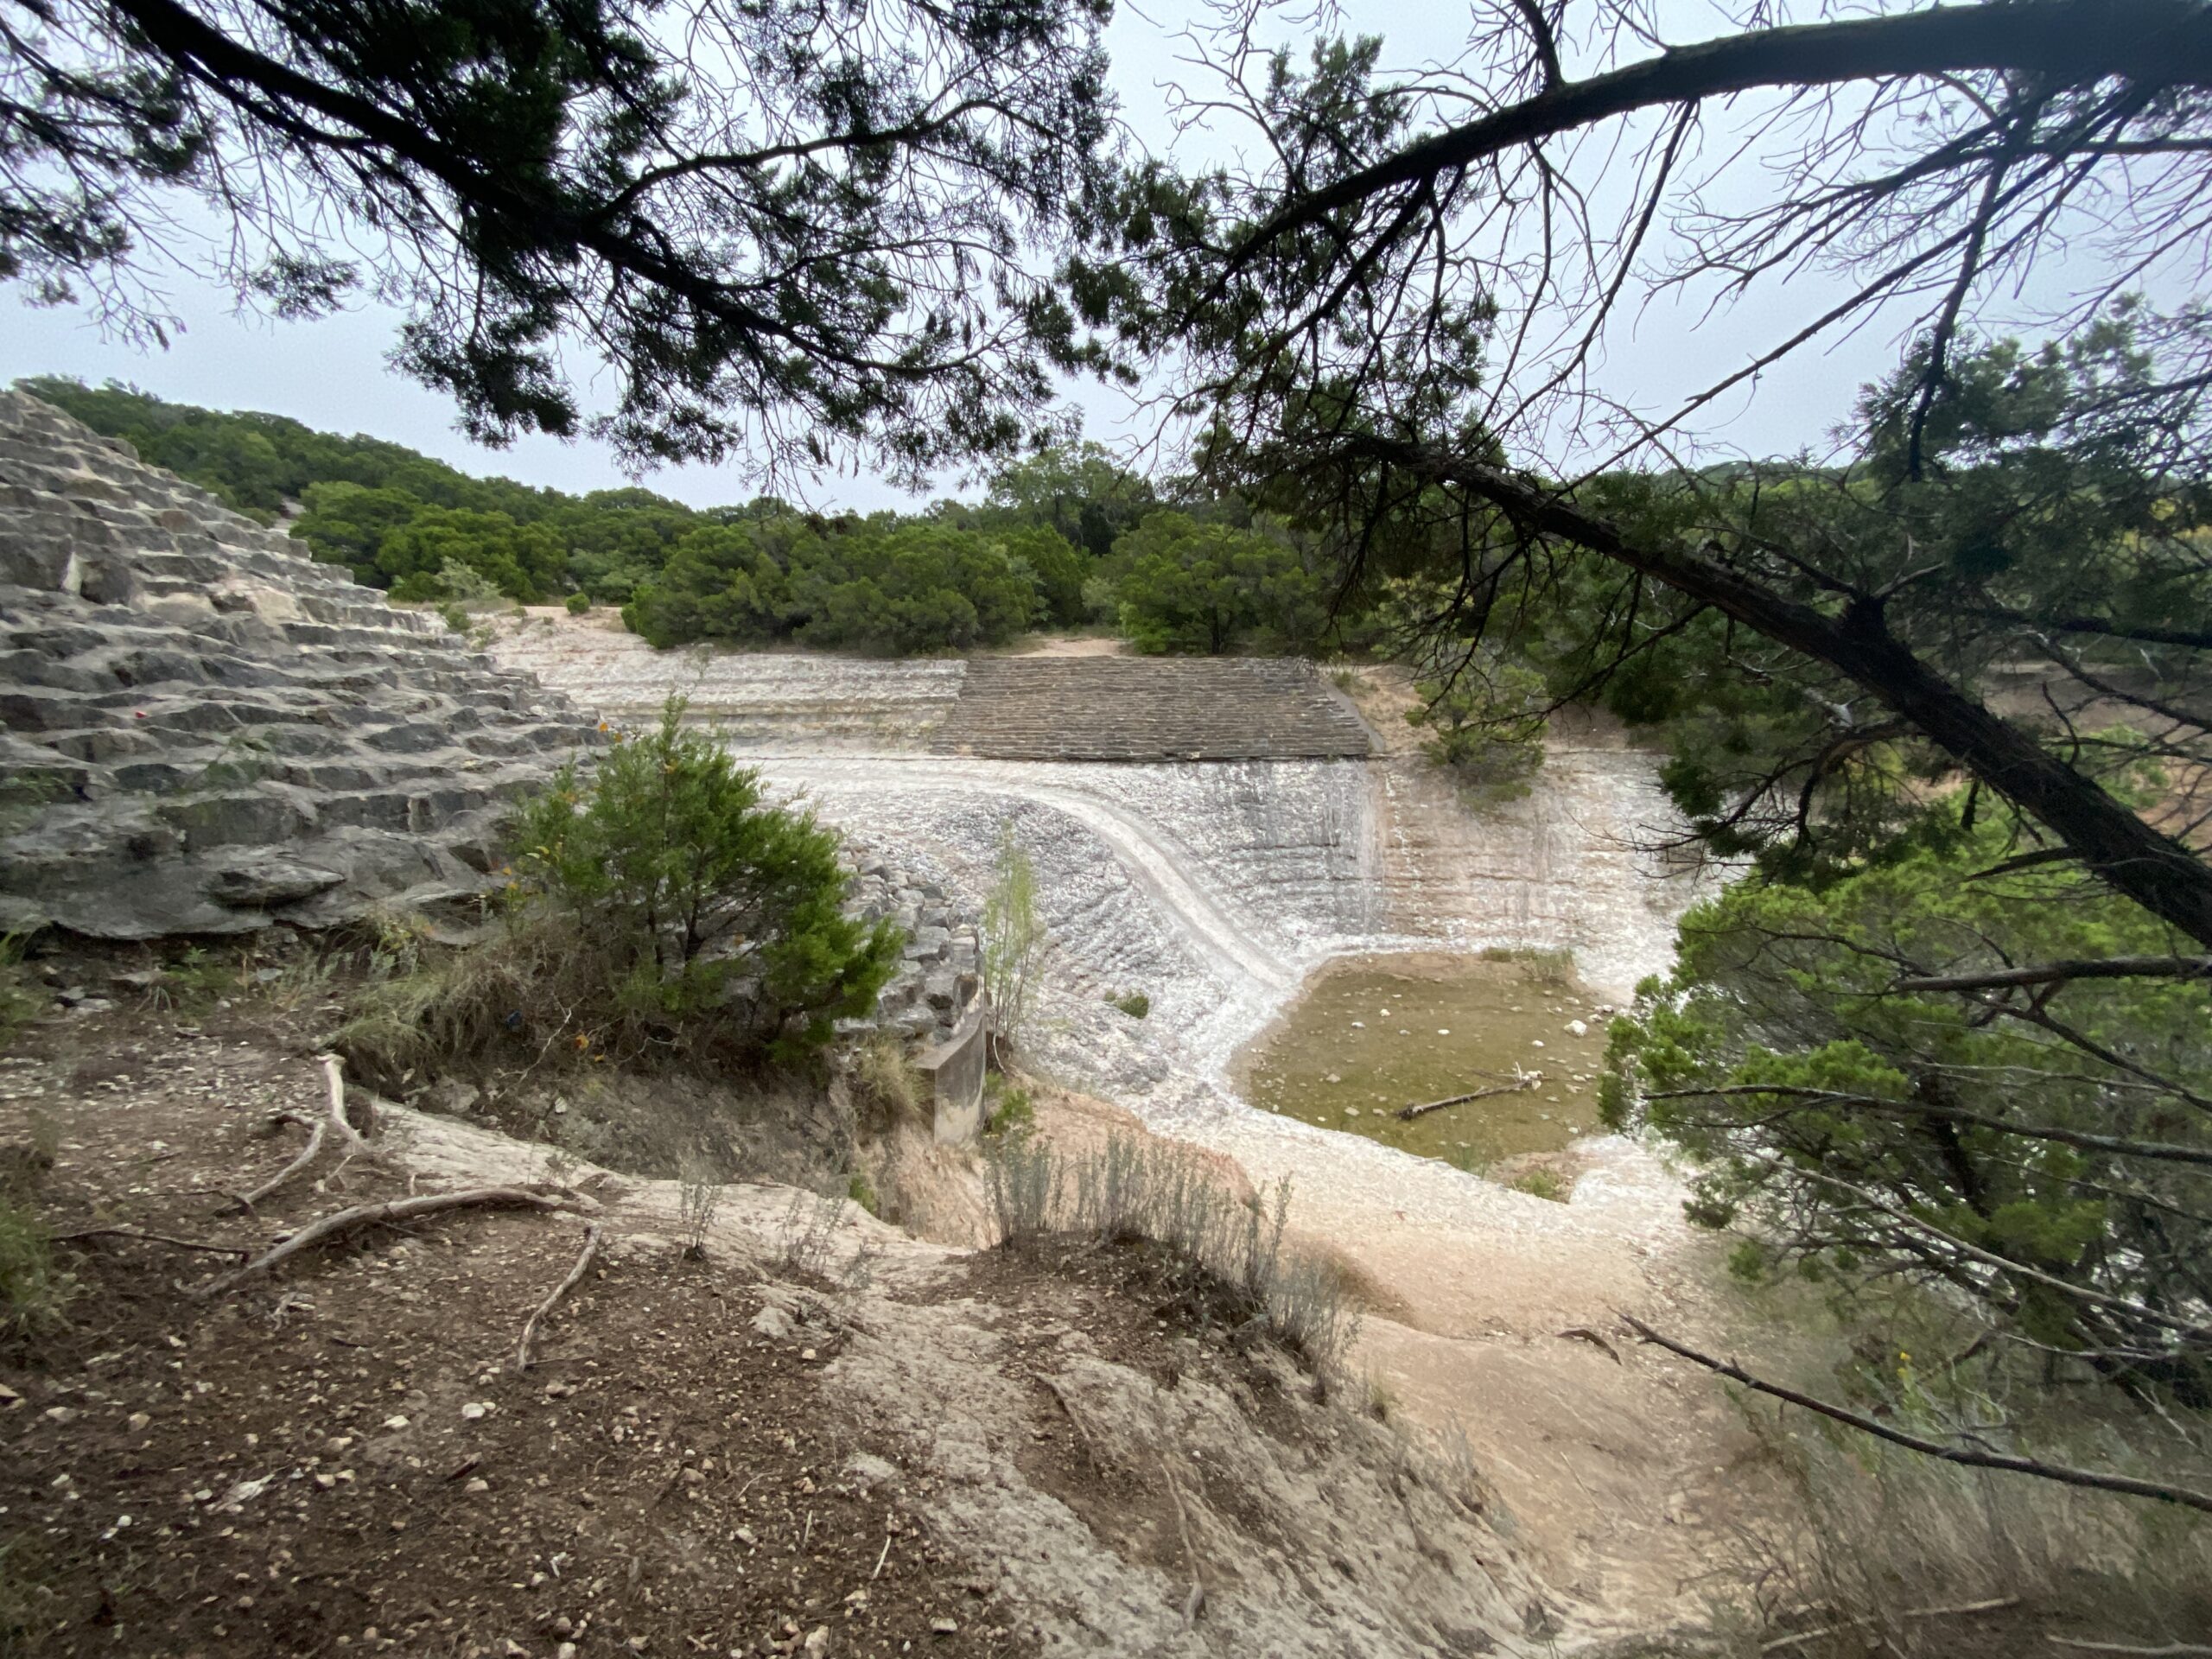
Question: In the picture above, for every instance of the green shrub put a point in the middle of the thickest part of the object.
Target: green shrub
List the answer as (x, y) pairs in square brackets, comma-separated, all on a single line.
[(578, 604), (663, 909), (1136, 1004), (700, 895)]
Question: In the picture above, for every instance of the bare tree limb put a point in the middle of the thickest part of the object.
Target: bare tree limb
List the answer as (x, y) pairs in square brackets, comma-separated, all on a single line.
[(2076, 42), (1968, 1456), (2058, 973)]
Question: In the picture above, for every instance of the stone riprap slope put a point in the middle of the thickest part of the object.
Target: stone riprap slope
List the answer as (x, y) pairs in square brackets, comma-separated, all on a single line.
[(1135, 708), (203, 731)]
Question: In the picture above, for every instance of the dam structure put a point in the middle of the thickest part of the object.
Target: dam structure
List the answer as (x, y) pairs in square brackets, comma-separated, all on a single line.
[(1205, 831)]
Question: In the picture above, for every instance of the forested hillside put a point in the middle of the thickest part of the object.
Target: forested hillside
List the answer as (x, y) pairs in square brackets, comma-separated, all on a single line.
[(1064, 539)]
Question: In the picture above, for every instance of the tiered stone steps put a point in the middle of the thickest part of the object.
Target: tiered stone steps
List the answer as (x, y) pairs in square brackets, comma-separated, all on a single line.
[(1148, 708), (202, 729)]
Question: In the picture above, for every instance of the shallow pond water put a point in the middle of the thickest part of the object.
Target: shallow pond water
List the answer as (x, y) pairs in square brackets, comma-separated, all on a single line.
[(1371, 1035)]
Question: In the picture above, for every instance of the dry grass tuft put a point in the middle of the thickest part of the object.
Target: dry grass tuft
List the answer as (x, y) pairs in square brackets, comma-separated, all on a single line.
[(1133, 1190)]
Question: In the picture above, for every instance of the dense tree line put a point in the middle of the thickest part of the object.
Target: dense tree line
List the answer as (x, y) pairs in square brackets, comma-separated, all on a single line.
[(1065, 538)]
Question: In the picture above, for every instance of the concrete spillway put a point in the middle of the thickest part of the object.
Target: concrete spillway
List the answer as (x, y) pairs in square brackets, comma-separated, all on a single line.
[(1213, 885)]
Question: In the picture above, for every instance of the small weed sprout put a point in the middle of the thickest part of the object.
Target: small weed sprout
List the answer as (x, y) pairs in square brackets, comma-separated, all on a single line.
[(19, 997), (699, 1194), (32, 1291), (1543, 1182), (861, 1191), (810, 1233), (1013, 937), (1136, 1004), (1009, 1112)]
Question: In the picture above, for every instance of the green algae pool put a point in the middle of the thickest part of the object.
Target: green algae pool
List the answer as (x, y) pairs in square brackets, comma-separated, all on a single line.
[(1369, 1035)]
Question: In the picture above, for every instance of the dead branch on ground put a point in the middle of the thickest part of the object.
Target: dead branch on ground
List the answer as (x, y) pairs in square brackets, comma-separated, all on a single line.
[(576, 1275), (369, 1214), (1527, 1080), (149, 1238)]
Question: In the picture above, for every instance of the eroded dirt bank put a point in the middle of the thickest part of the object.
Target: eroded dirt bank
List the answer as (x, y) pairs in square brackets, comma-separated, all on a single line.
[(823, 1436)]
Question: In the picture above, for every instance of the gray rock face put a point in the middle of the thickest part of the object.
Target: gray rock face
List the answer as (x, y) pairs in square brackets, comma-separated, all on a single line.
[(937, 981), (202, 730)]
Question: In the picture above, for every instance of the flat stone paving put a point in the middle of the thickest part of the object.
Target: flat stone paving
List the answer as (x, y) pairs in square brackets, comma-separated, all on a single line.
[(1148, 708)]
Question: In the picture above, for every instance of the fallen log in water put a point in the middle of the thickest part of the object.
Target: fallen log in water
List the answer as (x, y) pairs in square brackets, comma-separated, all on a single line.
[(1526, 1080)]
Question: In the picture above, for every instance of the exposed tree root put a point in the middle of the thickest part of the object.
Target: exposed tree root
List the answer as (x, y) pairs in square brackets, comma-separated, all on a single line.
[(149, 1238), (576, 1274), (251, 1198), (369, 1215), (333, 1120), (1194, 1604)]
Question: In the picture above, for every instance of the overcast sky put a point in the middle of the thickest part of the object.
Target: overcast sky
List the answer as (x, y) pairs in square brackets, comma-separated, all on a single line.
[(331, 373)]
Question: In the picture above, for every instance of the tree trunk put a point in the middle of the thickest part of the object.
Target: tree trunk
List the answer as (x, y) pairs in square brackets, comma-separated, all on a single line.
[(2157, 873)]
